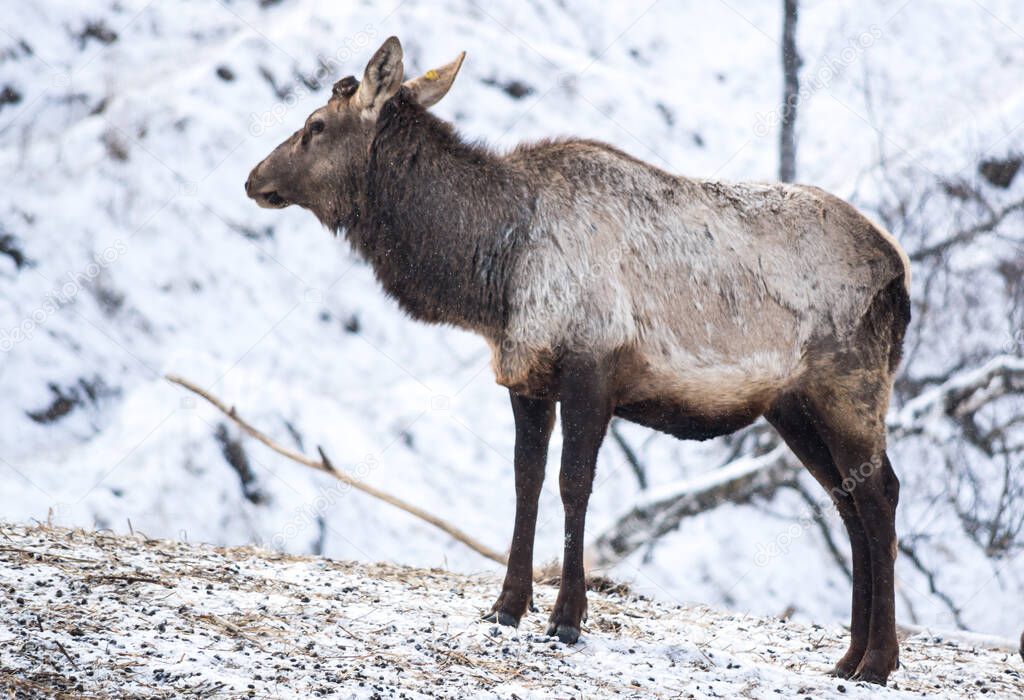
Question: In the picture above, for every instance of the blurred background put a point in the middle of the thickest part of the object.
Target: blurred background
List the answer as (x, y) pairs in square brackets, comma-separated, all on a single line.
[(128, 250)]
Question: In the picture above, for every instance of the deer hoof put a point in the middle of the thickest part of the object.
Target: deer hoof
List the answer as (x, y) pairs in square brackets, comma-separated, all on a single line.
[(845, 668), (841, 670), (866, 676), (567, 634), (509, 609), (875, 667), (502, 618)]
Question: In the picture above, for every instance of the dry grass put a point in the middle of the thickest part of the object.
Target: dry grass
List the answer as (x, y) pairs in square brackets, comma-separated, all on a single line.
[(94, 615)]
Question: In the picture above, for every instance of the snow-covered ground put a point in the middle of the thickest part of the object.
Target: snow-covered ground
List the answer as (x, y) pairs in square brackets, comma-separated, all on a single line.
[(128, 128), (97, 615)]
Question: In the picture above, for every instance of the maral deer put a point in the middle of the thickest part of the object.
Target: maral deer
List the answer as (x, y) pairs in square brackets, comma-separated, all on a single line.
[(617, 289)]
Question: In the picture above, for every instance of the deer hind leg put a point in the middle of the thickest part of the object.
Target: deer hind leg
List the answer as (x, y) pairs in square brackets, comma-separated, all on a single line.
[(850, 416), (586, 409), (792, 418), (534, 421)]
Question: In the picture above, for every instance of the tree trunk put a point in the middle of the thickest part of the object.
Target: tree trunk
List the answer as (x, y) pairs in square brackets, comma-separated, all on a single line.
[(790, 93)]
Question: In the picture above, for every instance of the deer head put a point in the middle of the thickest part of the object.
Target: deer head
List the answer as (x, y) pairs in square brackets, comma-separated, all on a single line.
[(321, 166)]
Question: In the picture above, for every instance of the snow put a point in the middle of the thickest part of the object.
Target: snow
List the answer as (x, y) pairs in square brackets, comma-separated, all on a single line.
[(124, 165), (96, 614)]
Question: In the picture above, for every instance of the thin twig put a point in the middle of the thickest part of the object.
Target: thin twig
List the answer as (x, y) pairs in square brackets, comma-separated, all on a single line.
[(908, 551), (968, 234), (826, 533), (630, 454)]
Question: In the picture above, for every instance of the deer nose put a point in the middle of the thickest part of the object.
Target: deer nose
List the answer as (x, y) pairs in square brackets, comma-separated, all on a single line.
[(252, 183)]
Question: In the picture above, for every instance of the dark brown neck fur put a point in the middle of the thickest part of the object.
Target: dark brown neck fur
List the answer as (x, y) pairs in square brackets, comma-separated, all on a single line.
[(438, 219)]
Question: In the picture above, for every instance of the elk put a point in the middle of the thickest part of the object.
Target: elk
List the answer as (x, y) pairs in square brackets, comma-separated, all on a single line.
[(613, 288)]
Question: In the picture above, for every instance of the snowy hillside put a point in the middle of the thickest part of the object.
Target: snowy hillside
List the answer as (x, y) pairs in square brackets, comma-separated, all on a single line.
[(102, 616), (128, 250)]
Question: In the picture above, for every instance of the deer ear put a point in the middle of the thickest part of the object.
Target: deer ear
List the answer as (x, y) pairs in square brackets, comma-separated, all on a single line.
[(429, 88), (382, 78)]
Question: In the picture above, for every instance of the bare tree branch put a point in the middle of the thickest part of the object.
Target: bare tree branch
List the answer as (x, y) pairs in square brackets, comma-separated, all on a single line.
[(962, 395), (664, 509), (968, 234)]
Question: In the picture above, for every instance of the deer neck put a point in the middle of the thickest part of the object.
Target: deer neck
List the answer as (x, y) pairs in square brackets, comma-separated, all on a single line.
[(437, 220)]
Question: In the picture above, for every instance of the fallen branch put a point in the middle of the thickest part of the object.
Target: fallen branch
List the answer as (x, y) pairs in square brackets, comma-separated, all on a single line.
[(324, 465), (663, 509), (960, 396)]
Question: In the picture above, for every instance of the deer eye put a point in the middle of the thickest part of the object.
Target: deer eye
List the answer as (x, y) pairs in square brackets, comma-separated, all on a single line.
[(316, 127)]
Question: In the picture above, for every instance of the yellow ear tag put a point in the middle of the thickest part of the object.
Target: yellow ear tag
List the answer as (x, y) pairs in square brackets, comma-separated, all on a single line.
[(431, 75)]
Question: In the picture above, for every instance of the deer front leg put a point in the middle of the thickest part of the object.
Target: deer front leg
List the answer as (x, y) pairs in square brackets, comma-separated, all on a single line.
[(534, 421), (586, 410)]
